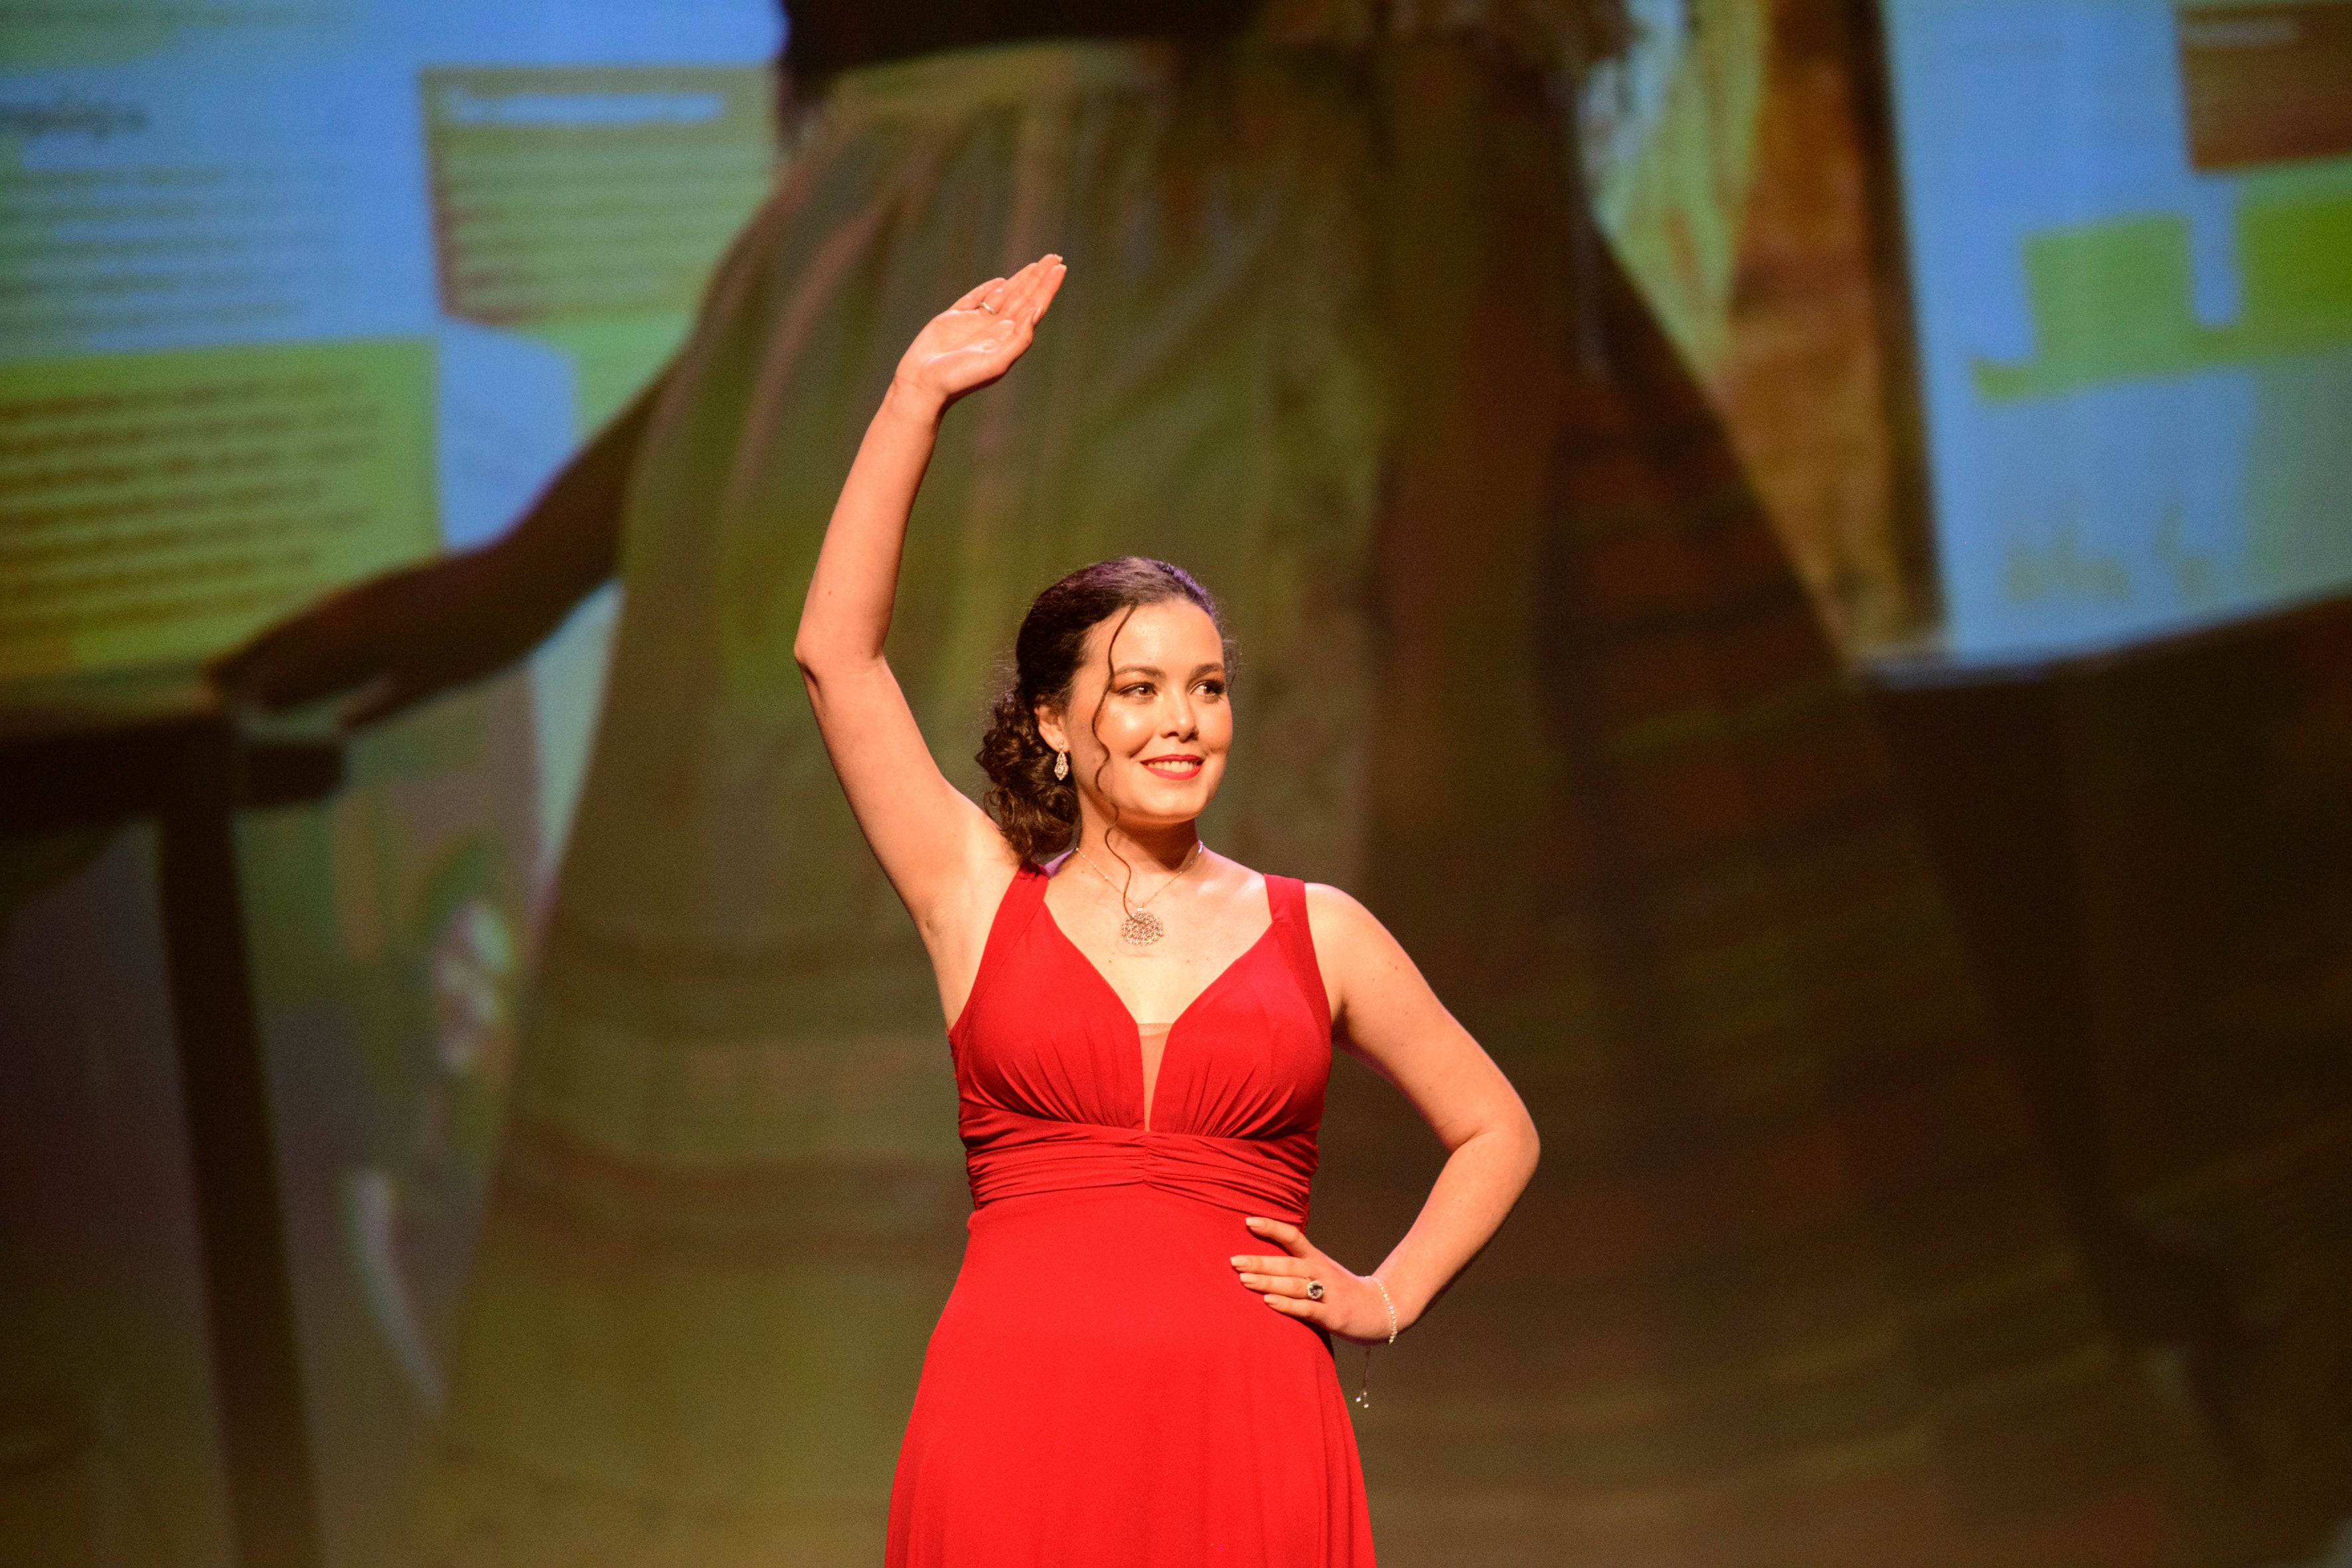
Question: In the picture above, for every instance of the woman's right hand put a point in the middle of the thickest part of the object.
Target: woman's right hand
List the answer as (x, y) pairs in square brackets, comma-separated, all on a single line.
[(976, 340)]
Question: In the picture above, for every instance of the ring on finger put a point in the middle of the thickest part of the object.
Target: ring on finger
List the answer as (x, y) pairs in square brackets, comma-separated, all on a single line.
[(1315, 1289)]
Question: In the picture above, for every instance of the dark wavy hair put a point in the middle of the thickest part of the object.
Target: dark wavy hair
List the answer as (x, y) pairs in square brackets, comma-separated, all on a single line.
[(1037, 813)]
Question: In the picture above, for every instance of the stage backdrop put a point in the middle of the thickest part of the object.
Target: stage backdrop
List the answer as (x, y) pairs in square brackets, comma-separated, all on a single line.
[(298, 291)]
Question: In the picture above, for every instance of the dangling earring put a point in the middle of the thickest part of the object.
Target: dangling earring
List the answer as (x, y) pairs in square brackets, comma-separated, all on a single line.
[(1061, 764)]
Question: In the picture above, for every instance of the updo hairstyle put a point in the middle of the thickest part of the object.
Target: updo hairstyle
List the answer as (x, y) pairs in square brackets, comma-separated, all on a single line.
[(1037, 813)]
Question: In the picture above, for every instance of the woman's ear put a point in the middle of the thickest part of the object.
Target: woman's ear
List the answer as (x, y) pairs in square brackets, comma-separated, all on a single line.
[(1049, 726)]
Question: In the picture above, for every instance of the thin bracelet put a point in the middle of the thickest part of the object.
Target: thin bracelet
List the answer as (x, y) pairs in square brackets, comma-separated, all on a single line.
[(1386, 1302), (1364, 1386)]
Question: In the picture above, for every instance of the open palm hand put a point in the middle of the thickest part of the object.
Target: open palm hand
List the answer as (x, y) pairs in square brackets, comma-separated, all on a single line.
[(976, 340)]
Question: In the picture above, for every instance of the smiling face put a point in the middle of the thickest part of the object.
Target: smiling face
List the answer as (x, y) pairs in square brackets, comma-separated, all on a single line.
[(1148, 724)]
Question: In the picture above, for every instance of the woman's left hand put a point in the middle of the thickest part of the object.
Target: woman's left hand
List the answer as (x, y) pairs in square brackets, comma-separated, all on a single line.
[(1351, 1305)]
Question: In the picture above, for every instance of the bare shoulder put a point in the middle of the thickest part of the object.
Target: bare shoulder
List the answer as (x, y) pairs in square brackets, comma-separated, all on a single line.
[(1379, 995), (1342, 926), (1358, 957)]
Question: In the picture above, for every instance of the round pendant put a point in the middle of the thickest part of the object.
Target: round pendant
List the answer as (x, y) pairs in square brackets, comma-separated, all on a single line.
[(1141, 929)]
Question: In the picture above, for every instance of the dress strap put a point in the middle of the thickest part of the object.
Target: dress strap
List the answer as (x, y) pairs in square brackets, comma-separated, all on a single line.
[(1287, 897), (1014, 911)]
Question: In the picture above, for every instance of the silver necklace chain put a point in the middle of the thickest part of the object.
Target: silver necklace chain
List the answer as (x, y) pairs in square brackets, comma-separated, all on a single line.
[(1141, 928)]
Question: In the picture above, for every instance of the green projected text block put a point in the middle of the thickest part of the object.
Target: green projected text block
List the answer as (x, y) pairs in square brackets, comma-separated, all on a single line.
[(559, 195), (159, 506), (2114, 301), (585, 206)]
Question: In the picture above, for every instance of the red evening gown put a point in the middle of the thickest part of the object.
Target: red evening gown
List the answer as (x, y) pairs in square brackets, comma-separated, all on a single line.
[(1100, 1388)]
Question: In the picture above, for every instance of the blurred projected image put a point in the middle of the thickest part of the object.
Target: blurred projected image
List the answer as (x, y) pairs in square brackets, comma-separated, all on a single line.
[(1517, 372), (1667, 130), (159, 501), (290, 295), (2131, 235), (246, 245)]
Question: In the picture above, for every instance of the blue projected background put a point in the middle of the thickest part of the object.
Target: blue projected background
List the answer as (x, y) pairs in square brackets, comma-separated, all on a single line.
[(2131, 242)]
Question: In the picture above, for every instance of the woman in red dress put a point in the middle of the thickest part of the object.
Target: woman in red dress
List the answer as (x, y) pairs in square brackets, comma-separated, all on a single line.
[(1134, 1366)]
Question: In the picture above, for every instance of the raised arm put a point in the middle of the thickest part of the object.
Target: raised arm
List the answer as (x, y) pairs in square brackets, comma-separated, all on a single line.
[(940, 853), (1385, 1015)]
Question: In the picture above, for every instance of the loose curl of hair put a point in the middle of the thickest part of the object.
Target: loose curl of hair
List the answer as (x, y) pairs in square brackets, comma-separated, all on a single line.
[(1037, 813)]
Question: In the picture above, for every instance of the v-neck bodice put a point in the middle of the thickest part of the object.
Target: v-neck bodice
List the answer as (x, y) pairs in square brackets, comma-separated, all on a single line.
[(1046, 913), (1049, 1064)]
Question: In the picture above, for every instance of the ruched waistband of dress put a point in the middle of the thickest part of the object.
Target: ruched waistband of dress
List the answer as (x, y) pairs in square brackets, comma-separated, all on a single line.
[(1008, 1155)]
